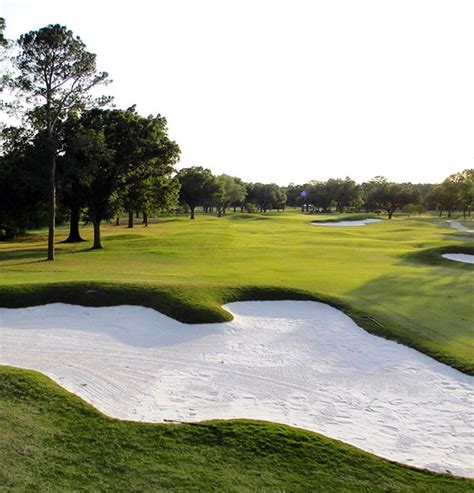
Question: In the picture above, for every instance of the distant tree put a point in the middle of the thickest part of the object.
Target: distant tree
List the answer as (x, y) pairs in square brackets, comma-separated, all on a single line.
[(229, 191), (165, 194), (265, 196), (344, 193), (390, 196), (54, 74), (198, 186), (154, 158), (22, 182), (465, 181), (281, 198), (295, 194), (319, 195), (238, 194)]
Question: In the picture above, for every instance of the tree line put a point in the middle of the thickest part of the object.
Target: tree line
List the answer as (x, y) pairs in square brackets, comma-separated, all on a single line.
[(77, 158)]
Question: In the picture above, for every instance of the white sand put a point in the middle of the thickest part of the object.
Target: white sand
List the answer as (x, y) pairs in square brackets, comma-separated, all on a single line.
[(297, 362), (457, 225), (459, 257), (349, 223)]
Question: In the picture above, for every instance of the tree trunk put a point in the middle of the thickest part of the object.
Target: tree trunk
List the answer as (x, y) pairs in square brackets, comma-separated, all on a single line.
[(130, 219), (52, 198), (117, 221), (74, 234), (192, 212), (449, 213), (390, 213), (97, 244), (137, 214), (145, 219)]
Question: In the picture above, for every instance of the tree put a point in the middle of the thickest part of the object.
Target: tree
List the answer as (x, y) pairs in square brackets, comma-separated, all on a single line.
[(319, 195), (465, 182), (155, 157), (266, 196), (22, 179), (296, 194), (344, 193), (390, 196), (198, 186), (3, 41), (231, 191), (54, 73)]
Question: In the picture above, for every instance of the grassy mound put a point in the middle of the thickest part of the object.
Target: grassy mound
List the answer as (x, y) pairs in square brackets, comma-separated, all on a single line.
[(347, 217), (52, 441), (433, 256)]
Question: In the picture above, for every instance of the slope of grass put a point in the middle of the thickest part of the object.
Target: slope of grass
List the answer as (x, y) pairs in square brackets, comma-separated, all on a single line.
[(378, 274), (52, 441), (389, 277), (345, 217)]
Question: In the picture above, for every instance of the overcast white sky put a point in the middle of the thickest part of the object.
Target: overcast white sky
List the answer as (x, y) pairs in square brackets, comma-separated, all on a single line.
[(288, 90)]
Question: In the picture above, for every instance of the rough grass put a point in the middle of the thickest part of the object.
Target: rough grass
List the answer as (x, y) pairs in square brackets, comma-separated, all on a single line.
[(53, 441)]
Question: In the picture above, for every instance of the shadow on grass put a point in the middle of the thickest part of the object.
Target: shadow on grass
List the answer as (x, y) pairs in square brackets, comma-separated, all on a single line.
[(433, 256), (429, 313), (27, 253)]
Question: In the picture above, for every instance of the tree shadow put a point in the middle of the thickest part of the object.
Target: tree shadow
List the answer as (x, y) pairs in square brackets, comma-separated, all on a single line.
[(425, 309), (433, 256)]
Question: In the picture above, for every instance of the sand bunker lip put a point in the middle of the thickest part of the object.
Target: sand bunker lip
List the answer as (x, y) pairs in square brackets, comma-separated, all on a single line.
[(457, 225), (302, 363), (345, 224), (459, 257)]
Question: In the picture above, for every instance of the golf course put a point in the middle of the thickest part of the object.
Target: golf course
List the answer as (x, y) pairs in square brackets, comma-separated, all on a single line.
[(389, 277)]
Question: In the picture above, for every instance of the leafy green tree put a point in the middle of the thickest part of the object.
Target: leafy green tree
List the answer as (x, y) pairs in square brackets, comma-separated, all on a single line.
[(465, 180), (198, 186), (155, 156), (390, 196), (230, 191), (319, 195), (266, 196), (22, 182), (54, 74), (344, 193), (296, 195)]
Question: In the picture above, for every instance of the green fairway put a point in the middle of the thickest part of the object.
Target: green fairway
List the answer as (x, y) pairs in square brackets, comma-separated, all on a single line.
[(388, 276)]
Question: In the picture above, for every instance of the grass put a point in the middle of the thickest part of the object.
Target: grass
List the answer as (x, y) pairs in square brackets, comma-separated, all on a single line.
[(346, 217), (53, 441), (388, 276)]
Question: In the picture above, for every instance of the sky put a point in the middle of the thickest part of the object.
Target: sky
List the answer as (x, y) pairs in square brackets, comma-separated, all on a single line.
[(288, 90)]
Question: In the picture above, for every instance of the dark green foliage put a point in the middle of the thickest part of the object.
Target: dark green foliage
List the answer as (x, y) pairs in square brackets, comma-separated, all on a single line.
[(23, 180), (198, 187)]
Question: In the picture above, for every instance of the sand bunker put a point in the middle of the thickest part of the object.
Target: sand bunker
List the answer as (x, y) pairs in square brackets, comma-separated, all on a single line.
[(349, 223), (459, 257), (297, 362), (457, 225)]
